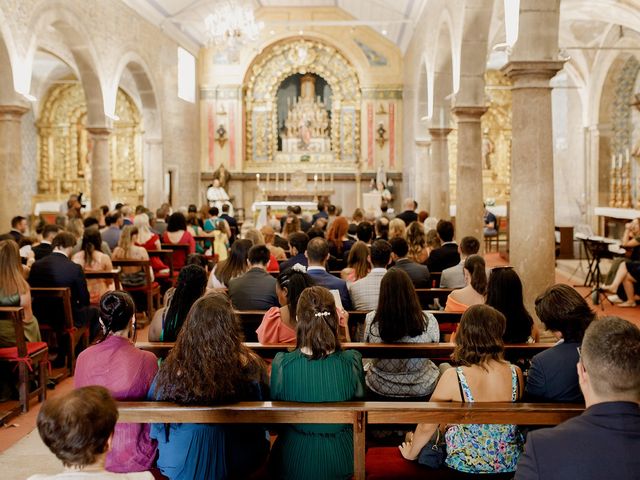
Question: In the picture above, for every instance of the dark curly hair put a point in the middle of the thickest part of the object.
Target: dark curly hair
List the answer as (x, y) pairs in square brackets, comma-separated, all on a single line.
[(192, 283), (116, 311), (209, 363), (479, 336)]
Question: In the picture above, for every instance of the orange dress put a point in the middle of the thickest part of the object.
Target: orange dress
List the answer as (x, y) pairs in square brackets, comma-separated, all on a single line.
[(273, 329), (455, 306)]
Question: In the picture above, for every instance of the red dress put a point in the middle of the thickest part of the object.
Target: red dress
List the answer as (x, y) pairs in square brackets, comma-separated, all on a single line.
[(179, 256), (156, 263)]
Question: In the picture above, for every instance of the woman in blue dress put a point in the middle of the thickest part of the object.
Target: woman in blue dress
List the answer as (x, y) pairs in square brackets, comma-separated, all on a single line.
[(210, 365)]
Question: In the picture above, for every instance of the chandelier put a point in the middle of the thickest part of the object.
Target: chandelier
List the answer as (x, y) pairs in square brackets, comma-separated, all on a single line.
[(232, 25)]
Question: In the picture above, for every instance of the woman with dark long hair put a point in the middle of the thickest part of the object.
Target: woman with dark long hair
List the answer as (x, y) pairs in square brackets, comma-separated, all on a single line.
[(210, 365), (177, 233), (127, 372), (279, 323), (504, 293), (475, 276), (339, 243), (318, 370), (167, 322), (358, 265), (399, 318), (234, 266), (482, 376)]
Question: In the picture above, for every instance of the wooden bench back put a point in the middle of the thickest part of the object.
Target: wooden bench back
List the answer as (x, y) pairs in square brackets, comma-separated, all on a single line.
[(358, 414), (369, 350), (427, 296), (112, 275), (15, 315), (62, 293), (140, 264)]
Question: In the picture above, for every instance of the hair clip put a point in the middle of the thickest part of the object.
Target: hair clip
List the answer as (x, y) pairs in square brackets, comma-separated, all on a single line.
[(322, 314), (298, 267)]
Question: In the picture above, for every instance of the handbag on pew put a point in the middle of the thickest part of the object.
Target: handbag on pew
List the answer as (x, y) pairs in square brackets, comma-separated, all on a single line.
[(434, 453)]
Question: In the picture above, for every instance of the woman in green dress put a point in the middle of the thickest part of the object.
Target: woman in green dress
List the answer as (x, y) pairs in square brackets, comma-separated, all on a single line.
[(318, 370), (14, 292)]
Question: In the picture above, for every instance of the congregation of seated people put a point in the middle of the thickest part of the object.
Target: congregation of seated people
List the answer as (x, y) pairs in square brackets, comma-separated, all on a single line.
[(317, 282)]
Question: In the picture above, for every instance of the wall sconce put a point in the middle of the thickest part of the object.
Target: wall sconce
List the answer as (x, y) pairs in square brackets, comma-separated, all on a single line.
[(381, 135), (221, 135)]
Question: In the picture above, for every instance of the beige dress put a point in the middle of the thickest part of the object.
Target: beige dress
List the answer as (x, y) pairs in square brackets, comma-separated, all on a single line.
[(99, 263)]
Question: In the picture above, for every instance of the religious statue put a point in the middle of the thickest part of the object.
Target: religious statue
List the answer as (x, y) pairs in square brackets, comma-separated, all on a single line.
[(306, 128), (487, 150), (217, 196), (223, 176)]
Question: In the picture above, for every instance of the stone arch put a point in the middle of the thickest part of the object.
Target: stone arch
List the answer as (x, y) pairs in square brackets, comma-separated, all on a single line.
[(443, 81), (301, 56), (422, 101), (152, 151), (56, 15), (9, 77)]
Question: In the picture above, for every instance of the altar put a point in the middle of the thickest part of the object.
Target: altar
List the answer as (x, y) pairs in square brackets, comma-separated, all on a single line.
[(261, 210), (296, 196)]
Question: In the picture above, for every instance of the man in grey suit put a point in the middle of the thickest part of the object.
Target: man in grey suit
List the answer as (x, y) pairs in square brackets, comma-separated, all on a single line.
[(419, 274), (256, 289), (366, 291), (453, 277), (604, 441)]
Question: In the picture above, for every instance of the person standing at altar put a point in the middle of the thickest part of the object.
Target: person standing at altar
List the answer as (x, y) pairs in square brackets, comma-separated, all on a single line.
[(217, 195), (408, 215)]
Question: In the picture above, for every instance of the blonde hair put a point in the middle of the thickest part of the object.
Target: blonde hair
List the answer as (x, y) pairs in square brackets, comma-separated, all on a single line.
[(76, 228), (141, 222), (126, 242), (12, 279), (397, 228), (255, 236)]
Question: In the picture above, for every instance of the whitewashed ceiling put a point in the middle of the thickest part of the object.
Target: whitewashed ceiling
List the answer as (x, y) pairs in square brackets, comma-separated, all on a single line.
[(184, 19)]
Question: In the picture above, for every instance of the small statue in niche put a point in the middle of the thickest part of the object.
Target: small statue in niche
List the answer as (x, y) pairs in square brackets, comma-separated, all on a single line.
[(222, 175), (487, 149)]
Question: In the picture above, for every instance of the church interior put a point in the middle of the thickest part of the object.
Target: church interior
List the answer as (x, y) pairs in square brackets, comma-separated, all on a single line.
[(527, 110)]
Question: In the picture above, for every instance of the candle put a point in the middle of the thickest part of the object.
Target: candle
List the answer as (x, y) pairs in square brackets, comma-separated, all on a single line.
[(613, 161), (258, 179), (323, 180), (627, 156), (331, 181), (267, 181), (315, 181), (277, 181)]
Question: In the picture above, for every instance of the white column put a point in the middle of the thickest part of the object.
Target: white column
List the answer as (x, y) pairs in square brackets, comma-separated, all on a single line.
[(422, 175), (100, 167), (439, 173), (12, 184)]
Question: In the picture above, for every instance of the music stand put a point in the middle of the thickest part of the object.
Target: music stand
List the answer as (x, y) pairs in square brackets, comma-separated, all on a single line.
[(595, 251)]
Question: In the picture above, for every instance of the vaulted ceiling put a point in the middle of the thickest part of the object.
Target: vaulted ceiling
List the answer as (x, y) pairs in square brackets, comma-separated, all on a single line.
[(184, 19)]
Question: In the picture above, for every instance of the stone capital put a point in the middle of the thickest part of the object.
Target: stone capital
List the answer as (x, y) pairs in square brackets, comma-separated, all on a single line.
[(532, 74), (468, 114), (12, 112), (153, 141), (99, 131), (423, 142), (439, 133)]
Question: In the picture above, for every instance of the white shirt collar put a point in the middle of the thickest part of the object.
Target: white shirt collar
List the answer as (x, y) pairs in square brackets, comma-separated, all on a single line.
[(315, 267)]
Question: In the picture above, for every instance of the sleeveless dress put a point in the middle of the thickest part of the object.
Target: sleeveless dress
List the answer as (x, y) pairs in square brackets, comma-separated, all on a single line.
[(483, 448)]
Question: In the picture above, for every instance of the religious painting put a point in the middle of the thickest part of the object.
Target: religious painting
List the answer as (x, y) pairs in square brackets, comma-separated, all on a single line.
[(304, 114)]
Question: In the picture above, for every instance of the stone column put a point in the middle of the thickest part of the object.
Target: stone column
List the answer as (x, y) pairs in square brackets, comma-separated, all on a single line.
[(154, 174), (422, 174), (11, 182), (531, 221), (469, 209), (439, 173), (100, 167)]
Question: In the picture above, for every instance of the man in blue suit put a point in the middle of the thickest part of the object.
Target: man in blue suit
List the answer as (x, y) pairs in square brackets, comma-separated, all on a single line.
[(318, 253), (604, 441)]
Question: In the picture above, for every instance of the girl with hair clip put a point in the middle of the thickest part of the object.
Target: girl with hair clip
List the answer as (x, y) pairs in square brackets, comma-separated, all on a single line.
[(475, 276), (318, 370), (167, 322), (127, 372), (279, 323), (210, 365)]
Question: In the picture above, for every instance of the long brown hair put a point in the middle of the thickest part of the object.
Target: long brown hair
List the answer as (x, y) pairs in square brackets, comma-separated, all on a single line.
[(475, 265), (358, 259), (126, 239), (399, 313), (479, 336), (12, 279), (209, 363), (236, 264), (339, 229), (416, 238), (317, 322)]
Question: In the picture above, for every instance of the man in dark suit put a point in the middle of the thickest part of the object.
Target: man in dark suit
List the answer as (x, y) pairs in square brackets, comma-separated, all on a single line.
[(318, 254), (256, 289), (57, 270), (447, 255), (419, 274), (322, 213), (233, 224), (603, 442), (298, 244), (408, 215), (44, 248), (18, 228)]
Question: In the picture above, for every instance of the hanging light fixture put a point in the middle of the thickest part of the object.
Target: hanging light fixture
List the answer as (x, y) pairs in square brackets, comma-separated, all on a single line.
[(231, 26)]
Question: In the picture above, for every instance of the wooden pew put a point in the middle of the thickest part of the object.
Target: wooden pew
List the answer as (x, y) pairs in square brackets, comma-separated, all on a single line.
[(368, 350), (427, 296), (112, 275), (435, 279), (358, 414)]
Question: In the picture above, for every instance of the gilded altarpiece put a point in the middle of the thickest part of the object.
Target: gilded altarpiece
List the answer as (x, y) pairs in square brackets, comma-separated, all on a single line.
[(261, 106), (496, 142), (64, 147)]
